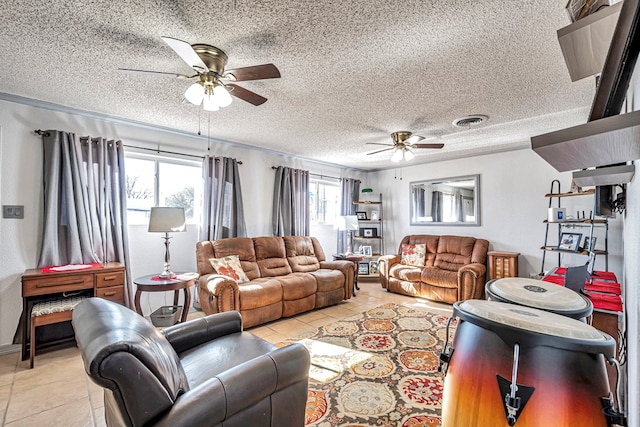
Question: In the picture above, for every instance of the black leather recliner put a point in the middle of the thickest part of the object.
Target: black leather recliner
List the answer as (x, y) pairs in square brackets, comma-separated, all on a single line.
[(204, 372)]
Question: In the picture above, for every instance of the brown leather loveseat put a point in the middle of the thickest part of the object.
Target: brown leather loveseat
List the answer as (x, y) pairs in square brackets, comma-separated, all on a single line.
[(453, 268), (284, 276)]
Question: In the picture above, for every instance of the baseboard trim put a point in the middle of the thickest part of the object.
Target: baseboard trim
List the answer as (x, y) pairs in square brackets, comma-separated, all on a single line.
[(10, 348)]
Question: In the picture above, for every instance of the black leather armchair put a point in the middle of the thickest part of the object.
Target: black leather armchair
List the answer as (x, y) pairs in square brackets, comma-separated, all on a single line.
[(204, 372)]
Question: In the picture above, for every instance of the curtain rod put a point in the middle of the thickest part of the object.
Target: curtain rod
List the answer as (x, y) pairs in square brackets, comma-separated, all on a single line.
[(315, 174), (156, 150)]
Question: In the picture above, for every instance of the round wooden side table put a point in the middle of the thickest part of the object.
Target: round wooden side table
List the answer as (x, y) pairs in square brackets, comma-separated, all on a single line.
[(149, 284), (355, 259)]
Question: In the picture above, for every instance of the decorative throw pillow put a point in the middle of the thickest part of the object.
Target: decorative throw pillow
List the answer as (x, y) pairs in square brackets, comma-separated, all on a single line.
[(229, 266), (414, 254)]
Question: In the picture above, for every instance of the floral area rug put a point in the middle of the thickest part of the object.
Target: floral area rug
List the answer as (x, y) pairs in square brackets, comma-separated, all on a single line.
[(378, 368)]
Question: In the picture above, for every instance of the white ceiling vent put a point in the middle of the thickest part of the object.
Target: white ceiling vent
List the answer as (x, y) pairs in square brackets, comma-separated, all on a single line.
[(469, 121)]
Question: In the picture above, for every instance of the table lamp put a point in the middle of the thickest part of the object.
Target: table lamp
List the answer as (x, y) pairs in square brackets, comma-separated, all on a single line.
[(166, 220), (348, 223)]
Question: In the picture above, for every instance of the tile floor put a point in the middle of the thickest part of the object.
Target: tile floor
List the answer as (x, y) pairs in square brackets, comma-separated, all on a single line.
[(57, 392)]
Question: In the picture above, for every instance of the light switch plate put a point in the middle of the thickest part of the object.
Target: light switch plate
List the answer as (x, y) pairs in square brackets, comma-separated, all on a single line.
[(13, 211)]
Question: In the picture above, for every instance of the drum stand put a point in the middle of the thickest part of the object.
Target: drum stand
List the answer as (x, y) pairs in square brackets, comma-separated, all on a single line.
[(514, 404), (615, 416)]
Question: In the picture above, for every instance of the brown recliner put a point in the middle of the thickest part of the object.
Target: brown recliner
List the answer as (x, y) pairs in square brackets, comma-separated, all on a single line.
[(204, 372)]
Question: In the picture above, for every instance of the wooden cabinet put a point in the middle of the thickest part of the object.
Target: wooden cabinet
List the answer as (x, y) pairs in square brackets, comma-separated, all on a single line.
[(503, 264), (110, 285), (34, 284), (106, 282)]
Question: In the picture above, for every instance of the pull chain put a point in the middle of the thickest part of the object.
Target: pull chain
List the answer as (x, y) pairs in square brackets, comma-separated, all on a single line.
[(209, 132)]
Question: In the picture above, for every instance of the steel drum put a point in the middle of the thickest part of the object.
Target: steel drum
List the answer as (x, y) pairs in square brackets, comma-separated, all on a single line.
[(541, 295)]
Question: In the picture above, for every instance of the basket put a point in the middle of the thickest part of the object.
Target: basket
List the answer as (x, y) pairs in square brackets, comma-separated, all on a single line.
[(166, 315)]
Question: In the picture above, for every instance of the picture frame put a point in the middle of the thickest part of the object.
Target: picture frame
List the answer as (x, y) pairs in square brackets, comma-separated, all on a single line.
[(569, 242), (363, 268), (366, 250), (362, 215), (585, 245), (369, 232), (375, 216), (373, 267)]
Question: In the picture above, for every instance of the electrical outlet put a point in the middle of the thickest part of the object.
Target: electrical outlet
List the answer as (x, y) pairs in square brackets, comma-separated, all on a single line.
[(13, 211)]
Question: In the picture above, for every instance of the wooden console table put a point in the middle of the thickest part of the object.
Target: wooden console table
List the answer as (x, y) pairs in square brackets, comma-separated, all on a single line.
[(106, 282)]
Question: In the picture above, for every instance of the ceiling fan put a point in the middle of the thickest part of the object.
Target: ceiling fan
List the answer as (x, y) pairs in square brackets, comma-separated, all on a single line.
[(403, 143), (215, 84)]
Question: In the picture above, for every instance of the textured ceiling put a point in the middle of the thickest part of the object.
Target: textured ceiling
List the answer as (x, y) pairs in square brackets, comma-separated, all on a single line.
[(352, 72)]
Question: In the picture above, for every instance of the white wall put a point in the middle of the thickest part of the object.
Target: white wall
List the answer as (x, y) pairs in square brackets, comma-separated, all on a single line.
[(21, 184), (632, 298), (513, 207)]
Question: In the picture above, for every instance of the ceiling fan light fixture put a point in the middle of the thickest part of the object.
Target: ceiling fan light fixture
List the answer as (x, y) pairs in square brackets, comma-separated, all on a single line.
[(408, 154), (396, 156), (210, 103), (222, 97), (195, 93)]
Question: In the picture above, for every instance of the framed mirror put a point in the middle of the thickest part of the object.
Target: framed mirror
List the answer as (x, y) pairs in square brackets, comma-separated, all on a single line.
[(446, 201)]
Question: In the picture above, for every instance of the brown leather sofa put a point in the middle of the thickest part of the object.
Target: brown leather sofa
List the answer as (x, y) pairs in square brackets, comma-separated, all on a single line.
[(287, 275), (204, 372), (454, 269)]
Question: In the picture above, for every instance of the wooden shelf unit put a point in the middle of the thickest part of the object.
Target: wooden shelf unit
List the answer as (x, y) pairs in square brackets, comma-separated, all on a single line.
[(590, 223), (375, 241)]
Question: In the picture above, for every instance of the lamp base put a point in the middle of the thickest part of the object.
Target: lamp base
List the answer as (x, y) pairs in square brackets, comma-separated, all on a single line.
[(167, 274), (349, 242)]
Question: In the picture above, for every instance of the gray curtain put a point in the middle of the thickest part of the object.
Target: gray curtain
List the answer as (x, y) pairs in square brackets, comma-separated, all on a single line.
[(291, 202), (85, 203), (458, 207), (419, 202), (223, 211), (349, 192), (436, 206)]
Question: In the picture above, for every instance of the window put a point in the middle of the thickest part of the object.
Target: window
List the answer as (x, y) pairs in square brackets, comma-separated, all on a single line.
[(158, 181), (324, 201)]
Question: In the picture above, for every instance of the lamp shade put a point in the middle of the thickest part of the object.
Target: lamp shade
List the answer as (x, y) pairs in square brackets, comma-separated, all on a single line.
[(165, 220), (223, 99), (347, 222), (195, 94), (210, 103), (396, 156)]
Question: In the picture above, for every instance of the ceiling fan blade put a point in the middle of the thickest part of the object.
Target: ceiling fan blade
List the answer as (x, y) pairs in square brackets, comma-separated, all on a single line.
[(246, 95), (434, 145), (256, 72), (186, 52), (414, 139), (380, 151), (379, 143), (154, 73)]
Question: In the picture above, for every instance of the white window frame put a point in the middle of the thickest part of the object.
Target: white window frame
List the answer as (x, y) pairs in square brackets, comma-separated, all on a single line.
[(315, 184), (157, 159)]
